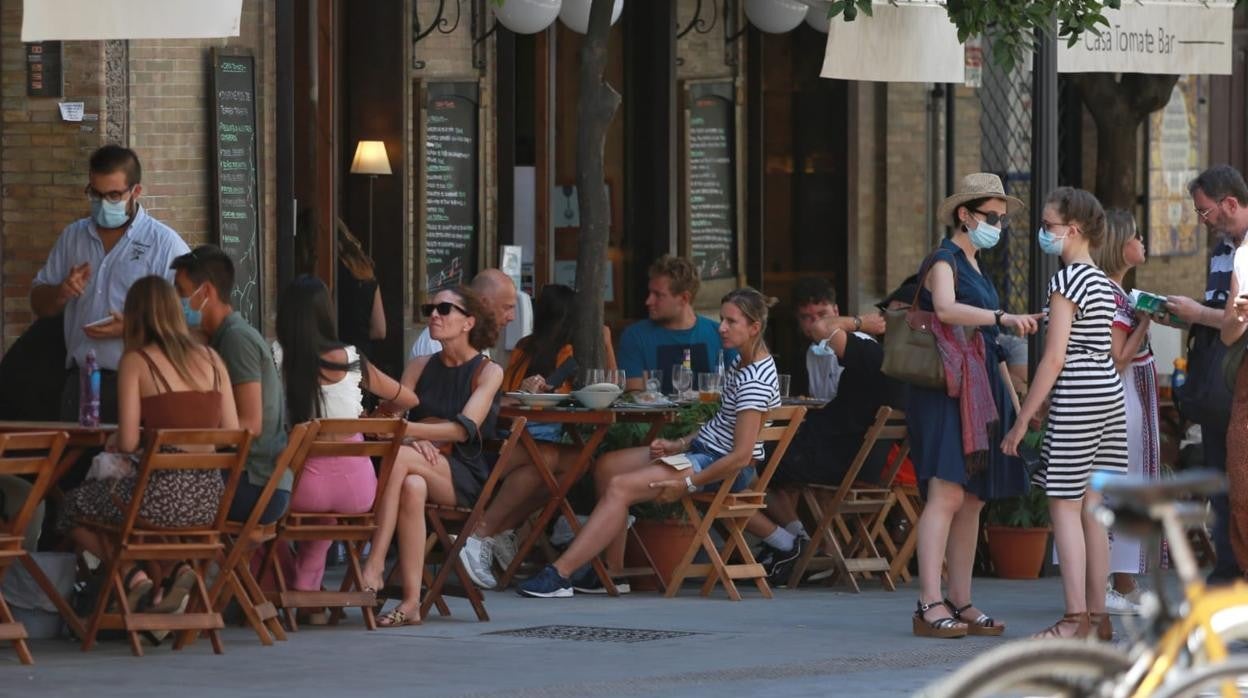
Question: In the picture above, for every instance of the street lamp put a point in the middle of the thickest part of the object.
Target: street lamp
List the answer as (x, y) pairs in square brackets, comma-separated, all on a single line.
[(370, 159)]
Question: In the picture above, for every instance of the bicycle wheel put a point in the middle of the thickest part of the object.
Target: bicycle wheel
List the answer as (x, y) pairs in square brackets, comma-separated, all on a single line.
[(1052, 667), (1209, 681)]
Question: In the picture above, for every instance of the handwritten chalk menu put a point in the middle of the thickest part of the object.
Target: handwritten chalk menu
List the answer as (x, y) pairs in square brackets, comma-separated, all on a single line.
[(450, 184), (235, 175), (712, 180)]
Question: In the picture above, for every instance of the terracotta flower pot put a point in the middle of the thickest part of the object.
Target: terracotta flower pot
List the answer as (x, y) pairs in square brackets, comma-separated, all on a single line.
[(667, 540), (1017, 553)]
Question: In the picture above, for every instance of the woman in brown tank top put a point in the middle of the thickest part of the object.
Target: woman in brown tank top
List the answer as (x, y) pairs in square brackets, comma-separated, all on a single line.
[(164, 380)]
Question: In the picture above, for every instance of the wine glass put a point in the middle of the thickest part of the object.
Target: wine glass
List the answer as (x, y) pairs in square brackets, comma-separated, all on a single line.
[(654, 384), (618, 377), (682, 380)]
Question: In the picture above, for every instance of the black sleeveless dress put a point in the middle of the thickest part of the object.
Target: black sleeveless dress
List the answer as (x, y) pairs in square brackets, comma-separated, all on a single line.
[(444, 391)]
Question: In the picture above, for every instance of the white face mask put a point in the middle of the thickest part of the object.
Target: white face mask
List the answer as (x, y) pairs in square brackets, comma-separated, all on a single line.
[(831, 366)]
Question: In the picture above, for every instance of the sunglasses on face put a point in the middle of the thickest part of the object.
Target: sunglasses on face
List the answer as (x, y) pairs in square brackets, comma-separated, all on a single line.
[(444, 309), (994, 218)]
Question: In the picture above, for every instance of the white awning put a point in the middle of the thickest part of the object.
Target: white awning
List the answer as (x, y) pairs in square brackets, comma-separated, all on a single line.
[(1176, 37), (70, 20), (912, 41)]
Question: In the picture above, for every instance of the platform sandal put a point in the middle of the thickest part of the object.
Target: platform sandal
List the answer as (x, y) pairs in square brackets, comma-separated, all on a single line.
[(1082, 623), (1102, 625), (983, 625), (941, 627)]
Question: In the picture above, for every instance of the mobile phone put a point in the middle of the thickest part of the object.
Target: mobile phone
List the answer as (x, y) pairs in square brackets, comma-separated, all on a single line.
[(101, 321)]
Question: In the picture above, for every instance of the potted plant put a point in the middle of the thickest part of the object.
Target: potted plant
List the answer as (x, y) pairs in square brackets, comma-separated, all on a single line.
[(1017, 529)]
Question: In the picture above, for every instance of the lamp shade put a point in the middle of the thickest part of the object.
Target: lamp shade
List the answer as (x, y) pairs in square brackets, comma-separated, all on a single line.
[(775, 16), (575, 14), (817, 15), (370, 158), (527, 16)]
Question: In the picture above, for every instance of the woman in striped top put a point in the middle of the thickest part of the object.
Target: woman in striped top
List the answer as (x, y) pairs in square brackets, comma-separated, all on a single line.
[(724, 448), (1087, 423)]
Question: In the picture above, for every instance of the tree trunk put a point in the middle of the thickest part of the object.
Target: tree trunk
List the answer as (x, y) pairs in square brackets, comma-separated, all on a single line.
[(596, 107), (1119, 108)]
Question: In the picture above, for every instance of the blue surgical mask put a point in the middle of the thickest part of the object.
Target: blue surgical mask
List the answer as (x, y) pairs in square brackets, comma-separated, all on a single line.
[(193, 317), (109, 214), (984, 236), (1050, 243)]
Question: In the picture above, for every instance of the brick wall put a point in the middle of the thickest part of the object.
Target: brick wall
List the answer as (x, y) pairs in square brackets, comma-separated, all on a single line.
[(908, 229)]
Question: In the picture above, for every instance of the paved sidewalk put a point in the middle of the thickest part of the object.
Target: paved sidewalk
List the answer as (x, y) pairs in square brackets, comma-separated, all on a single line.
[(810, 642)]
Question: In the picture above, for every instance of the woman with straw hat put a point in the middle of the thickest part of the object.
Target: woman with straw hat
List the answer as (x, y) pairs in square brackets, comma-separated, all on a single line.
[(956, 439)]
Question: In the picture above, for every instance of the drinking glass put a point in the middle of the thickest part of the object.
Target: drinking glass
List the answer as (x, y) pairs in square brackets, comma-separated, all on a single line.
[(682, 380), (617, 376), (654, 383), (708, 387), (594, 376), (784, 379)]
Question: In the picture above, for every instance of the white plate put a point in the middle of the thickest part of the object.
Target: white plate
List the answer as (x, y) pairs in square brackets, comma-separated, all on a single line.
[(538, 399)]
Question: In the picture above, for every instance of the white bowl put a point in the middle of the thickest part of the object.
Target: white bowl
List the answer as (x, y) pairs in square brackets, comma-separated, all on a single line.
[(538, 399), (598, 396)]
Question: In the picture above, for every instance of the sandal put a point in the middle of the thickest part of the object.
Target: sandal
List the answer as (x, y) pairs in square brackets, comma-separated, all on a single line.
[(983, 625), (941, 627), (138, 594), (1081, 621), (176, 588), (1103, 625), (397, 618)]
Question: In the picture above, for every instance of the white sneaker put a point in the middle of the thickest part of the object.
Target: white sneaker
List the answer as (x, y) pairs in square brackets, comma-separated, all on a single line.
[(505, 548), (1118, 605), (478, 558)]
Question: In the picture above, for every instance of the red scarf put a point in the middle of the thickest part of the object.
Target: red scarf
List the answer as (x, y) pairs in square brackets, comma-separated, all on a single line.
[(966, 378)]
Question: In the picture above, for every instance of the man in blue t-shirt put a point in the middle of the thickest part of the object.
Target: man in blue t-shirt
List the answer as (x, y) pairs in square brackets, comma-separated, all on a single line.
[(659, 342)]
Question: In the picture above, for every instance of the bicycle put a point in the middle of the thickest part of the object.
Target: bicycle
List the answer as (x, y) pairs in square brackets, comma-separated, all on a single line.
[(1178, 643)]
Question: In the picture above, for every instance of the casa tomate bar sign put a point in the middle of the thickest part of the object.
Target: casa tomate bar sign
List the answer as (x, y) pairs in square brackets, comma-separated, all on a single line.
[(1170, 38)]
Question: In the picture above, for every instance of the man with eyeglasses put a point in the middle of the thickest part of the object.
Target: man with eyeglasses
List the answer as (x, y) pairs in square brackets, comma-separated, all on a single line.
[(91, 267), (1220, 198)]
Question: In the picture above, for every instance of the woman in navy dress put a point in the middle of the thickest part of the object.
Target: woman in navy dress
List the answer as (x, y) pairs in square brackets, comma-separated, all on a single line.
[(948, 529)]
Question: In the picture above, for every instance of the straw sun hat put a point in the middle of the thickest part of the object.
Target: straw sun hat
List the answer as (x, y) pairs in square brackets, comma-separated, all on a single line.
[(976, 186)]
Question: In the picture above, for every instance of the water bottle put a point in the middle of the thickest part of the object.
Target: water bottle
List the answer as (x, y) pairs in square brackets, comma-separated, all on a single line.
[(687, 361), (1180, 374), (89, 391), (719, 363)]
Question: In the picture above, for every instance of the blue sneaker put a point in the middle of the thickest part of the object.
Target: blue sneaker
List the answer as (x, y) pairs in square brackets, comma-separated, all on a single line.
[(548, 584), (586, 581)]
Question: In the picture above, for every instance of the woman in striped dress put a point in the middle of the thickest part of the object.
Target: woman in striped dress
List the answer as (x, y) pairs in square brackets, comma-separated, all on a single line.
[(1133, 357), (1087, 422)]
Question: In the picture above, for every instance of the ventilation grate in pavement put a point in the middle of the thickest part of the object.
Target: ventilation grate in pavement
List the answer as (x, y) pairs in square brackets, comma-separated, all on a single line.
[(589, 633)]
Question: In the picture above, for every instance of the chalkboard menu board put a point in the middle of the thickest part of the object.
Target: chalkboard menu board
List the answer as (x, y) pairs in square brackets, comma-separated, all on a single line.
[(712, 180), (236, 175), (450, 184), (43, 69)]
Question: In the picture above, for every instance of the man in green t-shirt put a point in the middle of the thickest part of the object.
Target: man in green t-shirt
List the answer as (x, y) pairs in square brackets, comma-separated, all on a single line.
[(205, 278)]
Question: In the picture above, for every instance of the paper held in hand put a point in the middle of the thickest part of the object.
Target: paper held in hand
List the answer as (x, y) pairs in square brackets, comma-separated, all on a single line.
[(679, 461)]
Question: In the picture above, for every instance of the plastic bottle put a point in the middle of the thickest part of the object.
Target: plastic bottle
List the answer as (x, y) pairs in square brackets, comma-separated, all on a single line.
[(89, 393), (1179, 377), (719, 363), (687, 361)]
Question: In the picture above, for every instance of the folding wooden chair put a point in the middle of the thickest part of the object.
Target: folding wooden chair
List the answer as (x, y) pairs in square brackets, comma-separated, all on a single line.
[(846, 515), (731, 511), (445, 520), (136, 541), (235, 580), (382, 439), (27, 454)]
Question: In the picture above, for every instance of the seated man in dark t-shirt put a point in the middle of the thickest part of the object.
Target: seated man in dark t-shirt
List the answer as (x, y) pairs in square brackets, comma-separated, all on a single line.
[(844, 368)]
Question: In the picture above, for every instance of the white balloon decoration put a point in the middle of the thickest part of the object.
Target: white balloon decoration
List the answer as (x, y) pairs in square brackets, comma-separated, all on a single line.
[(575, 14), (527, 16), (817, 15), (775, 16)]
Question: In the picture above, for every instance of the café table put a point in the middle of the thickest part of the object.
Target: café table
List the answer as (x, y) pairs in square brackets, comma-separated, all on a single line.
[(599, 421), (80, 439)]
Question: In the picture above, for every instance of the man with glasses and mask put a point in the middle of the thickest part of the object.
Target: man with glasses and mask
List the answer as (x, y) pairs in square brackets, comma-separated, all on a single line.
[(1220, 198), (91, 268)]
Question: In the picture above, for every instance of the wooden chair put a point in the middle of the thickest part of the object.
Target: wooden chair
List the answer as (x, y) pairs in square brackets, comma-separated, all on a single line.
[(447, 520), (31, 455), (235, 580), (848, 514), (135, 541), (383, 437), (731, 511)]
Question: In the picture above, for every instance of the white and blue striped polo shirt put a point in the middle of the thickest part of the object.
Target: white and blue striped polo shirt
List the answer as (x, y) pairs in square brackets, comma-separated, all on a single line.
[(752, 387)]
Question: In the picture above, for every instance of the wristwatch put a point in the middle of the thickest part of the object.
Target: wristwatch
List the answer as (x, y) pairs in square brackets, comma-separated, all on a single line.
[(998, 314), (857, 323), (689, 486)]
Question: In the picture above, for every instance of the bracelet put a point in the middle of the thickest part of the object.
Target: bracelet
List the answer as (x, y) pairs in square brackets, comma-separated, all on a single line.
[(397, 393)]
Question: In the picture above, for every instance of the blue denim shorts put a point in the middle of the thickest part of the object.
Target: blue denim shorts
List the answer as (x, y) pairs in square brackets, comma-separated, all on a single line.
[(702, 457), (546, 432)]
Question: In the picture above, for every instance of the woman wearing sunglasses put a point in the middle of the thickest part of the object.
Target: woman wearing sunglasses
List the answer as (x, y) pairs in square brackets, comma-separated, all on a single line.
[(457, 390)]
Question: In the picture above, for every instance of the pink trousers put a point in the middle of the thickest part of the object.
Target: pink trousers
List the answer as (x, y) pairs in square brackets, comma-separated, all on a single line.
[(342, 484)]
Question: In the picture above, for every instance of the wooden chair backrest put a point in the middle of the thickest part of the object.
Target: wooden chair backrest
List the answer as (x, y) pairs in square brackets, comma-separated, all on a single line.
[(896, 432), (30, 454), (780, 425), (230, 448), (294, 442), (505, 447), (382, 439), (889, 427)]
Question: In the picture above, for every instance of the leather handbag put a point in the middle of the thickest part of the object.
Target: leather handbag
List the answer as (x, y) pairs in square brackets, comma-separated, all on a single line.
[(910, 353)]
